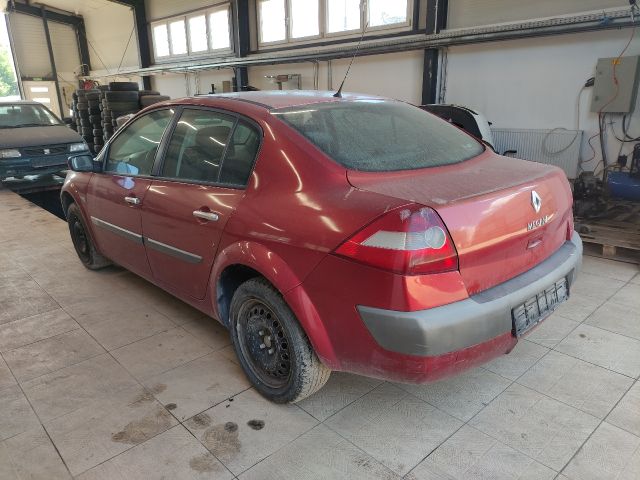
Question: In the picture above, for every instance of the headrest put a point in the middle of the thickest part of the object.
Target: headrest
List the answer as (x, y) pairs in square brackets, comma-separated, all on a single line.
[(214, 138)]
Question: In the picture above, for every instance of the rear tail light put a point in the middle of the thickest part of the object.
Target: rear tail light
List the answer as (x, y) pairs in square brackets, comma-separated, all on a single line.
[(570, 226), (410, 240)]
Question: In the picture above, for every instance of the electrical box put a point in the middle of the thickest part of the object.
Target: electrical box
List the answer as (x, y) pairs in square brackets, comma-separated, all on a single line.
[(609, 97)]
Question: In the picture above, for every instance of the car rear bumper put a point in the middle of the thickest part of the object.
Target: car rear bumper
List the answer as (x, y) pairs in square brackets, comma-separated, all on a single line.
[(477, 320)]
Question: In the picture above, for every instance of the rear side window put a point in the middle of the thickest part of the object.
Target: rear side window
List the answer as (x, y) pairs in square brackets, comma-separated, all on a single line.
[(381, 136), (197, 146), (241, 154), (134, 150)]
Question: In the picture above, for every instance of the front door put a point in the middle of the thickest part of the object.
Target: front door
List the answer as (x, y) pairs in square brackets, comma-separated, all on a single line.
[(116, 196), (200, 183)]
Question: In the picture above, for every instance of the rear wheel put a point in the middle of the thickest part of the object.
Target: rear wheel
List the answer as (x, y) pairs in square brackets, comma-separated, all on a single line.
[(82, 241), (273, 349)]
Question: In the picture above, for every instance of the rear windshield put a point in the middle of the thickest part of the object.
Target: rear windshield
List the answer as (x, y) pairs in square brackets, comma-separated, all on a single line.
[(381, 136)]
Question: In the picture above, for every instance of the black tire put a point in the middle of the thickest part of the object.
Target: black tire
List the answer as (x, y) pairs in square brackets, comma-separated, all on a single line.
[(124, 106), (285, 370), (87, 131), (97, 132), (121, 96), (82, 241), (95, 118), (123, 86), (94, 110), (82, 105), (148, 92)]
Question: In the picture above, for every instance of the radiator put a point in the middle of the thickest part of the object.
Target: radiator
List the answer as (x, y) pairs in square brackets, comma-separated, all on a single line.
[(557, 147)]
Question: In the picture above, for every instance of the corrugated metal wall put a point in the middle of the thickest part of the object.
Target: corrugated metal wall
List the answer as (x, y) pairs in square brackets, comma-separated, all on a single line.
[(473, 13), (30, 46)]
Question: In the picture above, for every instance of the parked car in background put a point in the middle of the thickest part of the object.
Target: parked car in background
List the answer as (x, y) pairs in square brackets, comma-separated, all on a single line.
[(357, 233), (33, 141)]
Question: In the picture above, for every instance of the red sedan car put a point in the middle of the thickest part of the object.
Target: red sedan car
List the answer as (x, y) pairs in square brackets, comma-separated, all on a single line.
[(357, 234)]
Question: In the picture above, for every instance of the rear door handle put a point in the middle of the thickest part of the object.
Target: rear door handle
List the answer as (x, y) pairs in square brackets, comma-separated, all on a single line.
[(208, 216), (132, 200)]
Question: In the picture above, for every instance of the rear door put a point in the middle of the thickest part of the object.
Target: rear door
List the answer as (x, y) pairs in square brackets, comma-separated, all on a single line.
[(116, 196), (200, 181)]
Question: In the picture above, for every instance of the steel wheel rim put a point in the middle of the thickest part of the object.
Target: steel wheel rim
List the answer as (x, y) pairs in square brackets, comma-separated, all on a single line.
[(80, 239), (264, 343)]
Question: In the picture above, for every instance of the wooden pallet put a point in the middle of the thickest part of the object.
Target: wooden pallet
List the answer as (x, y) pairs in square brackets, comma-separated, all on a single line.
[(616, 234)]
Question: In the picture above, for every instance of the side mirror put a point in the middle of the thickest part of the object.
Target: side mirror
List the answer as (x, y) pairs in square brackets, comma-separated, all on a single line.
[(84, 163)]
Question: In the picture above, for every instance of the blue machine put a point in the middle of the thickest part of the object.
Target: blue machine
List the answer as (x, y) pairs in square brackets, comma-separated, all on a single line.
[(624, 185)]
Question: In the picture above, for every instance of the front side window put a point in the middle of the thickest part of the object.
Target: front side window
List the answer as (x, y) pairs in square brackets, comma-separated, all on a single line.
[(381, 136), (197, 146), (133, 151)]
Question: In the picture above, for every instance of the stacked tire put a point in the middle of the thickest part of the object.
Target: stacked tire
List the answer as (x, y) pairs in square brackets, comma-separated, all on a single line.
[(122, 98), (149, 97), (88, 112)]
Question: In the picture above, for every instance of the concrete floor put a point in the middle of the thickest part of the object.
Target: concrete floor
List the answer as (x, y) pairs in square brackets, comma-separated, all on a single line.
[(104, 376)]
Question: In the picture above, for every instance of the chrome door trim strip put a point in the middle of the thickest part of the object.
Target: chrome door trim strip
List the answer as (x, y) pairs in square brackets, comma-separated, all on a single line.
[(172, 251), (128, 234)]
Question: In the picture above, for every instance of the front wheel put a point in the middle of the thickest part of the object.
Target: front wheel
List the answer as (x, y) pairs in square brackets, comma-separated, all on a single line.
[(82, 241), (274, 351)]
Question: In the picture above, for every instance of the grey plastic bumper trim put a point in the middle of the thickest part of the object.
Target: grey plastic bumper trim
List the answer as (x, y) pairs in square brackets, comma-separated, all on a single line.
[(477, 319)]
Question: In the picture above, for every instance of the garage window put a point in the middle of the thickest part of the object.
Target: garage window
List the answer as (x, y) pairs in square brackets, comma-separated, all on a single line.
[(291, 21), (199, 33)]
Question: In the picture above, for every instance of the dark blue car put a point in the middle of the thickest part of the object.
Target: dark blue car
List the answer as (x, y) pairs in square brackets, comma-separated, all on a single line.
[(33, 141)]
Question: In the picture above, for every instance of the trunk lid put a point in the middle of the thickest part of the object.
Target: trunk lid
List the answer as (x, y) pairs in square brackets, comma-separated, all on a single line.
[(487, 205)]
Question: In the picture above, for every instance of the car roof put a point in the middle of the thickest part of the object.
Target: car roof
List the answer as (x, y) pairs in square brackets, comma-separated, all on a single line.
[(272, 99)]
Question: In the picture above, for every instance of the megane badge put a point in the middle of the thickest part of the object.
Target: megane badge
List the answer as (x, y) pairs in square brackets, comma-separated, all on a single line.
[(536, 201)]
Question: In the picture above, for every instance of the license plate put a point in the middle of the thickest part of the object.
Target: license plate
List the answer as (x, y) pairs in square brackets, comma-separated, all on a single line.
[(537, 308)]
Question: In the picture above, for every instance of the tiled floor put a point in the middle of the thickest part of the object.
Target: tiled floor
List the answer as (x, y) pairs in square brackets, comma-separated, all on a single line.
[(103, 376)]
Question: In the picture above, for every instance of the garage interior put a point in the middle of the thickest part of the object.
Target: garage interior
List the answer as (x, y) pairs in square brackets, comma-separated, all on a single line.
[(106, 376)]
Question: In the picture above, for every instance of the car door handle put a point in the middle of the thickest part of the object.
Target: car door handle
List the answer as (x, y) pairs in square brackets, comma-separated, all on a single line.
[(132, 200), (208, 216)]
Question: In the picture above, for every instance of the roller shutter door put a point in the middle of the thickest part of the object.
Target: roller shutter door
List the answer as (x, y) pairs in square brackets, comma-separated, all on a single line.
[(65, 47), (30, 46)]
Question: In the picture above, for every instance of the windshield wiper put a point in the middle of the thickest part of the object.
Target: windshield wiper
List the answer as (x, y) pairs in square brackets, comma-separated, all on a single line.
[(29, 125)]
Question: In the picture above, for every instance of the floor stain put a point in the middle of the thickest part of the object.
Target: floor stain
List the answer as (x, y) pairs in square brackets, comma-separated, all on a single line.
[(222, 440), (158, 388), (256, 424), (582, 335), (140, 430), (171, 406), (201, 420), (203, 463), (142, 398)]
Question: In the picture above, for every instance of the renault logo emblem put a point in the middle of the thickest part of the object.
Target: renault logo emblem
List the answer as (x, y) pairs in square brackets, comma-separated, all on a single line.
[(536, 201)]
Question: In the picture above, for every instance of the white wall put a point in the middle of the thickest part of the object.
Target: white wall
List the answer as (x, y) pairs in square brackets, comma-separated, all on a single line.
[(164, 8), (534, 83), (394, 75), (108, 29)]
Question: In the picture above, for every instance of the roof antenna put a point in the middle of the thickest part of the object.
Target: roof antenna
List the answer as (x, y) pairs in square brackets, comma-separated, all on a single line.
[(338, 94)]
